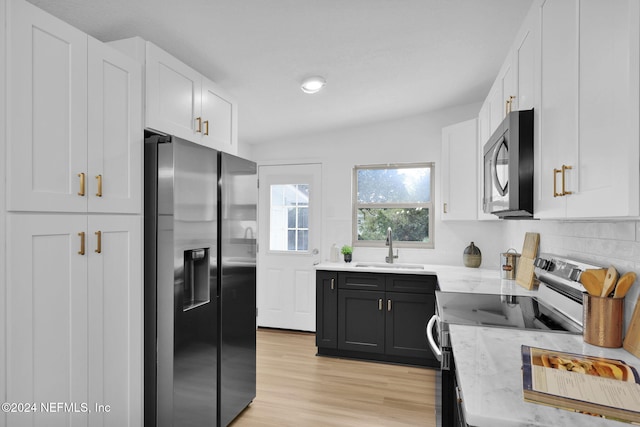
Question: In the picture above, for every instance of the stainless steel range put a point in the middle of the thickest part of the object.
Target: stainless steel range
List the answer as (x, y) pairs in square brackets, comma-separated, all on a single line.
[(555, 307)]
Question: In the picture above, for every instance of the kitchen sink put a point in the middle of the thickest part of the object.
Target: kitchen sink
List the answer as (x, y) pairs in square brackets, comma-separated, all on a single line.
[(387, 265)]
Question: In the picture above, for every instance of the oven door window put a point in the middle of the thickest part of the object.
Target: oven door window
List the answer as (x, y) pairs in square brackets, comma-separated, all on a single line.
[(501, 167)]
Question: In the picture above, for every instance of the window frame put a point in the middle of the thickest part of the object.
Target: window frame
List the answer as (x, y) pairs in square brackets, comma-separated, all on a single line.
[(428, 205)]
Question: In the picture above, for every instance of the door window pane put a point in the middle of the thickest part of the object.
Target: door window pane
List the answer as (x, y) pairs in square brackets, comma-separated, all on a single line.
[(289, 222)]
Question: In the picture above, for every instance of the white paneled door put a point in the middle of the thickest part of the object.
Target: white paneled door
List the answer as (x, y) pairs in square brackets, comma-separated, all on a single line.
[(289, 223)]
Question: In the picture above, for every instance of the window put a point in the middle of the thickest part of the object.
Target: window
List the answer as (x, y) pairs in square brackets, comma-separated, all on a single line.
[(396, 196), (289, 217)]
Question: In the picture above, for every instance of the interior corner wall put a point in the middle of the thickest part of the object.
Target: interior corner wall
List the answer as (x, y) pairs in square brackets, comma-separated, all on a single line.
[(406, 140)]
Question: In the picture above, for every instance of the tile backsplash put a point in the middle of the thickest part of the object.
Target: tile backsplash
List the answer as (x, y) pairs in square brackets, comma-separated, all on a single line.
[(604, 243)]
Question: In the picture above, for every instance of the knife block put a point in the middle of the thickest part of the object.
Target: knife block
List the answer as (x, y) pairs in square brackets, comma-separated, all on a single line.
[(632, 339)]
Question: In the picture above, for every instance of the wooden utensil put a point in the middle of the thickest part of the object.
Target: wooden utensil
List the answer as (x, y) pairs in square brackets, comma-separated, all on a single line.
[(610, 281), (600, 273), (591, 283), (624, 283)]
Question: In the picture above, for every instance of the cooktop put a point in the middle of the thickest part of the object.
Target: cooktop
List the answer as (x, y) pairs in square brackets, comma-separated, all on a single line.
[(505, 311)]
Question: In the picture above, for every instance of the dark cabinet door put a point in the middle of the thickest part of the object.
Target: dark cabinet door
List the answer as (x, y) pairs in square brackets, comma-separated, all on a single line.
[(406, 318), (362, 281), (327, 309), (361, 320), (414, 283)]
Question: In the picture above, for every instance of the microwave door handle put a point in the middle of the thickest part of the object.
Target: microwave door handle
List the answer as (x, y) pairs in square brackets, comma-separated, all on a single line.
[(494, 169), (432, 342)]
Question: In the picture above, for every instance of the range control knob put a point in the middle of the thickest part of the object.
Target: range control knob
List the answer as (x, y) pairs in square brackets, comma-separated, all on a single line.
[(541, 263)]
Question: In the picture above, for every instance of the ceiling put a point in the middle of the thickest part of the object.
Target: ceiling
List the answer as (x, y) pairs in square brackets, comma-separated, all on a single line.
[(382, 59)]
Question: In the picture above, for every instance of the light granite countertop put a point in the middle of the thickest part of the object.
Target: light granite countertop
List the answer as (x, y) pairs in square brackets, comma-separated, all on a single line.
[(489, 369), (450, 278)]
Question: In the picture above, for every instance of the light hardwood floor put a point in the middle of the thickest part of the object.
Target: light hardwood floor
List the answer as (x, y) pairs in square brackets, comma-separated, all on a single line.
[(297, 388)]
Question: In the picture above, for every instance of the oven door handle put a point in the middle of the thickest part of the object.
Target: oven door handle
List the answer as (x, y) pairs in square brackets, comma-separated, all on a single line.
[(432, 342)]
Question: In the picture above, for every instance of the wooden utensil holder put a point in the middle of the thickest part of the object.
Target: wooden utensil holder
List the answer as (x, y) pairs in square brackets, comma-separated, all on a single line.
[(603, 320)]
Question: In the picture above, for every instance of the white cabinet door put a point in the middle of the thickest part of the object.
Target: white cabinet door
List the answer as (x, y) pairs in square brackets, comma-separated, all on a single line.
[(459, 172), (524, 60), (219, 118), (173, 95), (47, 330), (115, 131), (115, 319), (496, 107), (605, 175), (558, 121), (47, 121)]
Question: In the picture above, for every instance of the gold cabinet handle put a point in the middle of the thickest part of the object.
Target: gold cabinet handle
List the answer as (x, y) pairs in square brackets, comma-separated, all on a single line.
[(199, 120), (564, 169), (99, 243), (444, 208), (509, 106), (81, 192), (333, 284), (81, 251), (388, 305), (99, 178), (206, 126), (380, 304), (555, 182)]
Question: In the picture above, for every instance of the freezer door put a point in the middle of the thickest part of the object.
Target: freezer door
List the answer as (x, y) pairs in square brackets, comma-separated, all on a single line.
[(186, 284)]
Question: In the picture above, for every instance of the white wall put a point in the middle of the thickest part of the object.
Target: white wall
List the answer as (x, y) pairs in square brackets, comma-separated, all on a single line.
[(410, 139), (602, 242)]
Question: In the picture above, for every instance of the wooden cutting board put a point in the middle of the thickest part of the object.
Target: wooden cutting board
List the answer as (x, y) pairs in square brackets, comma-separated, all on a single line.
[(530, 247), (525, 276), (631, 341)]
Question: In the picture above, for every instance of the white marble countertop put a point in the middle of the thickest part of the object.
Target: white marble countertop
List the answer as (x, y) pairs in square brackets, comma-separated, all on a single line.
[(450, 278), (488, 363)]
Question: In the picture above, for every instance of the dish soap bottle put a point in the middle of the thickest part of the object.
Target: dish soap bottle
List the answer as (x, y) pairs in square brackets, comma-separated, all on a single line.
[(335, 253), (472, 257)]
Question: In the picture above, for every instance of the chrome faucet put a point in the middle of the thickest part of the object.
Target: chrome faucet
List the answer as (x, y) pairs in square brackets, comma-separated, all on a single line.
[(389, 243)]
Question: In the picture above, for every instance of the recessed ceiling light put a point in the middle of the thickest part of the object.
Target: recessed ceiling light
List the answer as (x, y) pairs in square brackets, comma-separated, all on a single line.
[(313, 84)]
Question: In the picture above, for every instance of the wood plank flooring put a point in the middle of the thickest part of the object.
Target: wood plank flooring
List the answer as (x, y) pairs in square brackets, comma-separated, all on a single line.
[(297, 388)]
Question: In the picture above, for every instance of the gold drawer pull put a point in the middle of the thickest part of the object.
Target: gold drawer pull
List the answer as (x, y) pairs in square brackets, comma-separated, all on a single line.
[(81, 192), (99, 178), (206, 126), (99, 244), (81, 251), (564, 169), (199, 120)]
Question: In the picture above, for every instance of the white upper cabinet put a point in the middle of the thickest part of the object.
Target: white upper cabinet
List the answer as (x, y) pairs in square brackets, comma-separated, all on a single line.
[(459, 171), (558, 116), (115, 131), (219, 113), (47, 118), (588, 150), (75, 119), (182, 102)]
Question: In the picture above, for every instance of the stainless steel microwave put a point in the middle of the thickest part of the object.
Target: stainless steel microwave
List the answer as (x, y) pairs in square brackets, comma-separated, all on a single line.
[(508, 168)]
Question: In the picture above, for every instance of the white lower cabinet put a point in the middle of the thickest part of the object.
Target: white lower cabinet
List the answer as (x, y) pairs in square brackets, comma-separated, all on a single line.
[(74, 319)]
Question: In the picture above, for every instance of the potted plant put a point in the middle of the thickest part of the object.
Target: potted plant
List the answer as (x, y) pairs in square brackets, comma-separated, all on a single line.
[(346, 250)]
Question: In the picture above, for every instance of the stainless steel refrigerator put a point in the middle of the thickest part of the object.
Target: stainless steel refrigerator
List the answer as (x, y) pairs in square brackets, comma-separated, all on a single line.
[(200, 272)]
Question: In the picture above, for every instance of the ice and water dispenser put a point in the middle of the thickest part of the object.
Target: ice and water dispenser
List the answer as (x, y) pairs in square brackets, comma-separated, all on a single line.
[(196, 278)]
